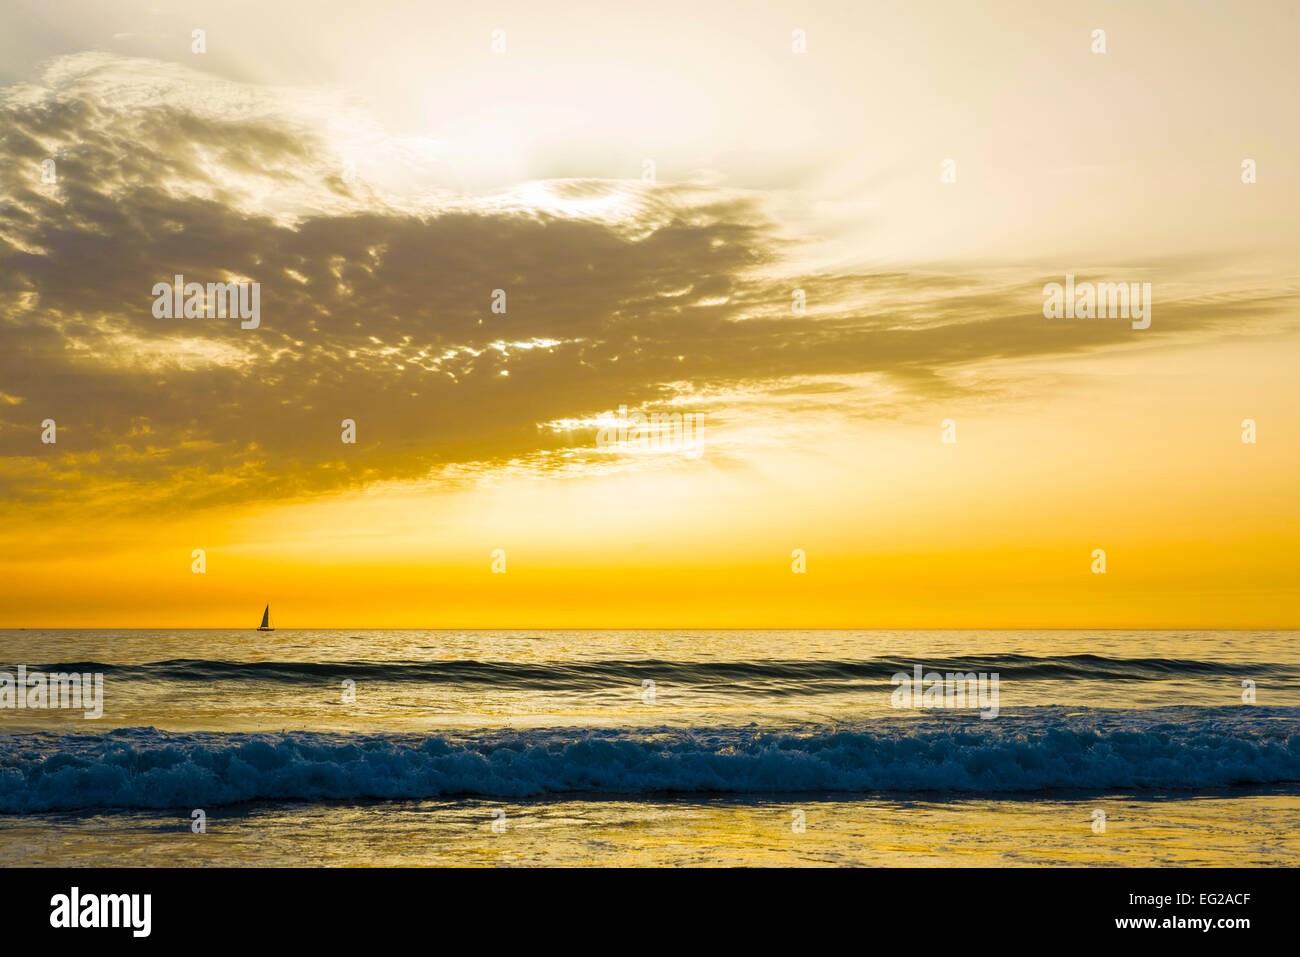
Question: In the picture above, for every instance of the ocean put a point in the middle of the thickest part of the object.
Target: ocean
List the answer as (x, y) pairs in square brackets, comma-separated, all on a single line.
[(489, 748)]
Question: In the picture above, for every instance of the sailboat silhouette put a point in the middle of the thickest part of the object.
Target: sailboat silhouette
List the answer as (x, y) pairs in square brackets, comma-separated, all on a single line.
[(266, 620)]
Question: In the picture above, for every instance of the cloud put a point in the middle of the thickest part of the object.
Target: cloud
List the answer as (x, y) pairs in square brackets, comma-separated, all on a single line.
[(376, 301)]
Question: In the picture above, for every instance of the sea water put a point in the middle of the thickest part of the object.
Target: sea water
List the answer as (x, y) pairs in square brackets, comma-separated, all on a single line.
[(647, 748)]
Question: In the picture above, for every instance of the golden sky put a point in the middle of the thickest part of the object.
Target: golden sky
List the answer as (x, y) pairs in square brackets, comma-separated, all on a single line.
[(381, 174)]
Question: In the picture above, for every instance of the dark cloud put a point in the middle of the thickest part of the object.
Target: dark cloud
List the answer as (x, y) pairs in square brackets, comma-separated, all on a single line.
[(380, 312)]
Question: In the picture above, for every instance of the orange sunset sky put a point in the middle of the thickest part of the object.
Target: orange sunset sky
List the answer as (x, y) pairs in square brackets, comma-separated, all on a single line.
[(381, 173)]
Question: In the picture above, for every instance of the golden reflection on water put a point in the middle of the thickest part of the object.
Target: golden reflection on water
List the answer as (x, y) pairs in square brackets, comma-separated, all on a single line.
[(1220, 830), (687, 693)]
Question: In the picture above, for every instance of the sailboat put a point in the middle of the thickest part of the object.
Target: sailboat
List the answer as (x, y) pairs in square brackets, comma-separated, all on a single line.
[(266, 620)]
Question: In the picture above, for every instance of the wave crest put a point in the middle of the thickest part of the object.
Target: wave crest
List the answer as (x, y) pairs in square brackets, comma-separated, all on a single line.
[(146, 768)]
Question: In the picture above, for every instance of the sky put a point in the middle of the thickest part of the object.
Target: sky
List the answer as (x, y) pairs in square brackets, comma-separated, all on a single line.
[(835, 258)]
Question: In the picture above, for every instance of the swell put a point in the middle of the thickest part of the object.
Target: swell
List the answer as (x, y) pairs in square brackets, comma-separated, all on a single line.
[(808, 676), (1042, 749)]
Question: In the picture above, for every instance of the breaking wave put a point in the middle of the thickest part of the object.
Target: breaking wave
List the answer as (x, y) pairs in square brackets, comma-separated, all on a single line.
[(1027, 751)]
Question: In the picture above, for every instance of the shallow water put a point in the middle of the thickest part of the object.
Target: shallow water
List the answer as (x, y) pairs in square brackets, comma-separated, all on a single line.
[(1228, 829)]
